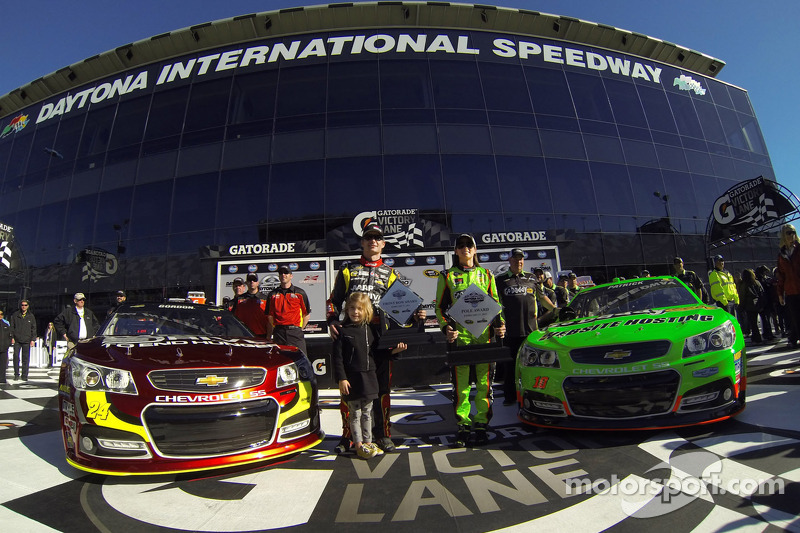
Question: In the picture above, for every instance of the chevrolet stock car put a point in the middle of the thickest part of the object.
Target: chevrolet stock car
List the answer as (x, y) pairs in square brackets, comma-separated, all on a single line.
[(638, 354), (181, 387)]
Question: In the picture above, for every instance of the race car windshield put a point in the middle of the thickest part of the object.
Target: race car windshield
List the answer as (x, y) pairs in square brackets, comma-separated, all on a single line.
[(174, 320), (633, 297)]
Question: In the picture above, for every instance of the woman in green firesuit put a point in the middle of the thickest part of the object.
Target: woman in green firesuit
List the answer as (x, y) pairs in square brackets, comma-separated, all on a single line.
[(451, 284)]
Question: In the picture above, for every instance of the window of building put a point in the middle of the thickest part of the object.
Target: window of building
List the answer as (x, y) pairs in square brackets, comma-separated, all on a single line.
[(645, 183), (625, 103), (612, 189), (208, 105), (305, 176), (456, 84), (657, 110), (353, 185), (549, 91), (113, 211), (504, 87), (470, 183), (151, 209), (194, 201), (250, 184), (353, 86), (571, 186), (524, 187), (167, 113), (685, 115), (129, 123), (413, 181), (589, 95), (301, 90), (405, 85)]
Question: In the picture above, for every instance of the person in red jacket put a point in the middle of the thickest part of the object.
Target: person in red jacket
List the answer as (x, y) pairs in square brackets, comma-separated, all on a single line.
[(789, 280)]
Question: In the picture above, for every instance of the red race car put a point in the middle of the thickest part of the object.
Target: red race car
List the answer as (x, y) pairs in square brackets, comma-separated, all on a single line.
[(181, 387)]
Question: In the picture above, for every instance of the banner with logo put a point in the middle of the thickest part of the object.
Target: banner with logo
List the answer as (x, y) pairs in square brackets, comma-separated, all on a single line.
[(6, 245), (747, 208)]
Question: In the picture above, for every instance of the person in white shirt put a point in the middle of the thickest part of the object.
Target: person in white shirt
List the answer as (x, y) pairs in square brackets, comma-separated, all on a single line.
[(76, 322)]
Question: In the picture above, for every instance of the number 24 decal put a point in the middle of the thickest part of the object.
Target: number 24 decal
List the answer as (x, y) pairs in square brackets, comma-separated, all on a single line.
[(98, 410)]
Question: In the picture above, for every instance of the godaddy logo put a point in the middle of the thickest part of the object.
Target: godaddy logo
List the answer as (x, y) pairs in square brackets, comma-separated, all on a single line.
[(691, 475), (16, 125)]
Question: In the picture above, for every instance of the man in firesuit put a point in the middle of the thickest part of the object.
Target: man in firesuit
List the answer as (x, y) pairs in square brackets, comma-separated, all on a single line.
[(452, 283), (372, 276), (722, 286)]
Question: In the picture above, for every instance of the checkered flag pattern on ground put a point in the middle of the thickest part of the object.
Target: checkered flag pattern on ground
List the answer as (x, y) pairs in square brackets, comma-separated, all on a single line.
[(5, 254)]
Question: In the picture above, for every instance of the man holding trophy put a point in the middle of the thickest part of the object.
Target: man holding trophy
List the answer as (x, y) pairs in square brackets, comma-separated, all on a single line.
[(469, 313)]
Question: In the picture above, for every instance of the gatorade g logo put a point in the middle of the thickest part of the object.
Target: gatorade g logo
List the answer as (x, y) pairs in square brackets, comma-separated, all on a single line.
[(320, 368), (723, 210)]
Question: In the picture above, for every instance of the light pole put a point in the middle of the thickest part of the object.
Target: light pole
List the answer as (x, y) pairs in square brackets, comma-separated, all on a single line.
[(665, 198)]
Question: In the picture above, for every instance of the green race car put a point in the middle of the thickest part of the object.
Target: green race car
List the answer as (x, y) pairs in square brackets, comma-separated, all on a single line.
[(637, 354)]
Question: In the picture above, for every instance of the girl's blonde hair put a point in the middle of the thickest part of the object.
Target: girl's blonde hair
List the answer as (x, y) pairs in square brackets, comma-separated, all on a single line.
[(360, 300), (787, 237)]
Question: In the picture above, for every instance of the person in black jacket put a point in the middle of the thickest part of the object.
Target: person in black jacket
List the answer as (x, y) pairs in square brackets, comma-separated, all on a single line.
[(76, 323), (5, 344), (354, 368), (23, 337)]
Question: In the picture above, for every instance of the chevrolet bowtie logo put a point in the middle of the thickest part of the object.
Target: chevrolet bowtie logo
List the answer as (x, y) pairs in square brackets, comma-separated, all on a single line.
[(618, 354), (212, 380)]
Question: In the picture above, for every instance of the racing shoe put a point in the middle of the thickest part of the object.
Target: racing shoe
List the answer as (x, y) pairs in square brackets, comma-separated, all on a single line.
[(343, 446), (385, 444), (462, 436), (366, 451), (481, 436), (375, 447)]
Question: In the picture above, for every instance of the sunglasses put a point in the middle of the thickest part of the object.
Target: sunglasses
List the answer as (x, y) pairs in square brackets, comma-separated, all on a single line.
[(464, 245), (372, 238)]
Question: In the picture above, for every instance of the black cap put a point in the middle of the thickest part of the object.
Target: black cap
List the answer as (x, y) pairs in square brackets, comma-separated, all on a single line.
[(718, 258), (238, 281), (573, 275), (252, 277), (284, 270), (120, 293), (563, 277), (517, 251), (372, 229), (465, 237), (538, 270), (677, 260)]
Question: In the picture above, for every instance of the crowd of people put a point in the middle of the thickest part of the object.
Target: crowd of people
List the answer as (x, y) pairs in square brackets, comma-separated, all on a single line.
[(766, 302)]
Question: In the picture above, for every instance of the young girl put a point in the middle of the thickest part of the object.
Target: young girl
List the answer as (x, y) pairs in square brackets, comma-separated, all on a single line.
[(354, 366)]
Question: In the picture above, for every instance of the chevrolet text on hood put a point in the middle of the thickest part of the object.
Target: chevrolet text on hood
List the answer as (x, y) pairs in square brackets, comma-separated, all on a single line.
[(297, 50)]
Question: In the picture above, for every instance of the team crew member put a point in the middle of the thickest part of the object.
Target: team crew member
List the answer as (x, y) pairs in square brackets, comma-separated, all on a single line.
[(452, 283), (119, 299), (371, 276), (789, 281), (76, 322), (288, 311), (521, 295), (688, 277), (251, 308), (23, 338), (723, 287)]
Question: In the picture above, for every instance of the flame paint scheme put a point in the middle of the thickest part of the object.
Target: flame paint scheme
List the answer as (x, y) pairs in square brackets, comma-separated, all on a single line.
[(167, 388), (638, 354)]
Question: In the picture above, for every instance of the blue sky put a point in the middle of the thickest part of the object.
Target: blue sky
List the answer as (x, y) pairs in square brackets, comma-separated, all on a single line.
[(759, 42)]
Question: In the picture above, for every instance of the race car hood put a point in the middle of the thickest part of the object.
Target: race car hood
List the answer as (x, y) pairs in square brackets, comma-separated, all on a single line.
[(182, 351), (653, 324)]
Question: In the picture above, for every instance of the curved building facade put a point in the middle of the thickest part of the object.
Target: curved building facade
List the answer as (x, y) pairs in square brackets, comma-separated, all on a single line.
[(157, 166)]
